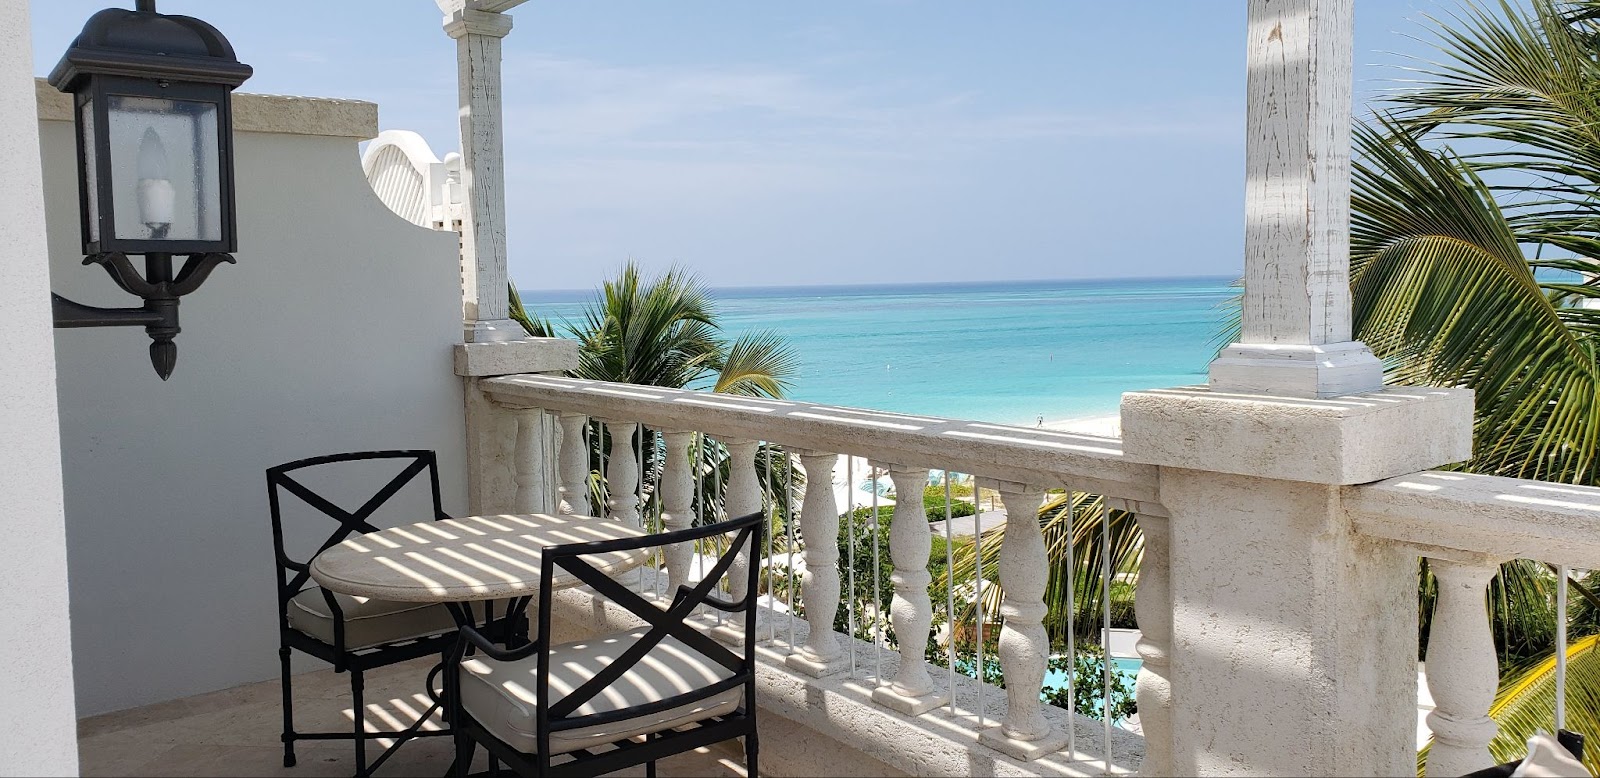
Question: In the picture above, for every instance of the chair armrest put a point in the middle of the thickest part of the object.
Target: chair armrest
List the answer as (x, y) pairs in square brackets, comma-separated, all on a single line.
[(497, 653)]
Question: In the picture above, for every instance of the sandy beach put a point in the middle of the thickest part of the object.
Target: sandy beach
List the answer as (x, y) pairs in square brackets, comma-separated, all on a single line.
[(1102, 426)]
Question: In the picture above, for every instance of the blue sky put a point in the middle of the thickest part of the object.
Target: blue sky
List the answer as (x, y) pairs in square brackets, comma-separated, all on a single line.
[(822, 142)]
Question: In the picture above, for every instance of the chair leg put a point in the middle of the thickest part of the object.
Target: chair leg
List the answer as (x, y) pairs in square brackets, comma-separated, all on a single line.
[(466, 747), (751, 746), (357, 687), (288, 708)]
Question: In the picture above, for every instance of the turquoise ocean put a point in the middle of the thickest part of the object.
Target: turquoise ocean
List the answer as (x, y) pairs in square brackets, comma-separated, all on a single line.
[(999, 352)]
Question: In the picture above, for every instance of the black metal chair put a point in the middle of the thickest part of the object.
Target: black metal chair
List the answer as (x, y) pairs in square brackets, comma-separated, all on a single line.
[(617, 700), (354, 634)]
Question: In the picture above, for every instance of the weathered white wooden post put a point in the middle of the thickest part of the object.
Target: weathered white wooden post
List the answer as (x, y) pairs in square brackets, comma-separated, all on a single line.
[(494, 345), (477, 27), (1293, 644)]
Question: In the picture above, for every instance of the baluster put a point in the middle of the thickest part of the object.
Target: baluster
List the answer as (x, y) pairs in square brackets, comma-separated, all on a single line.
[(677, 506), (819, 525), (744, 498), (911, 691), (622, 474), (529, 461), (1025, 733), (1462, 670), (574, 450), (1152, 606)]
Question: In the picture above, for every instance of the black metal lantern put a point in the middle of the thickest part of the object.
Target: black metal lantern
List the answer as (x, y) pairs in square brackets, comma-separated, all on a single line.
[(152, 100)]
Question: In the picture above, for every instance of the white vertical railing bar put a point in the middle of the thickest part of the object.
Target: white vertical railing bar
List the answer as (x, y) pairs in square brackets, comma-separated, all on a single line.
[(770, 508), (977, 537), (1105, 628), (877, 583), (1561, 647), (850, 550), (639, 452), (1072, 626), (599, 438), (788, 523), (950, 589)]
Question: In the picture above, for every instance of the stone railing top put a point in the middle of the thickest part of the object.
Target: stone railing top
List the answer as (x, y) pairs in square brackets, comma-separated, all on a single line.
[(281, 114), (1461, 515), (1020, 454)]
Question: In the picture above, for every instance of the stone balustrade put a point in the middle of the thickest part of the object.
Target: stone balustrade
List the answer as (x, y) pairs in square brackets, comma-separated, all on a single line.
[(1464, 525), (1019, 463)]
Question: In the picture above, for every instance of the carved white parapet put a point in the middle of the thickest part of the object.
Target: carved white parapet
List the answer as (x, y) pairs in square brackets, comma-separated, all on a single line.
[(530, 462), (1153, 608), (744, 498), (622, 474), (677, 505), (819, 526), (574, 466), (911, 691), (1462, 670), (1024, 650)]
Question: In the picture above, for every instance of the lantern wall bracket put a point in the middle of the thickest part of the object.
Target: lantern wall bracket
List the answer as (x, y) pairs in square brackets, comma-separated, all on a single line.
[(159, 288)]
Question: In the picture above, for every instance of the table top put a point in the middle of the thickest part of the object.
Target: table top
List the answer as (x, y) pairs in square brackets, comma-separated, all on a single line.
[(471, 558)]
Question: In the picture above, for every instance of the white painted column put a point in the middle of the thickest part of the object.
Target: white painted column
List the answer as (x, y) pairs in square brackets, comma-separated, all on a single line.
[(1295, 338), (819, 526), (39, 715), (1024, 648), (677, 505), (743, 499), (574, 463), (478, 33), (530, 462), (1462, 671), (622, 474), (911, 691), (1152, 606)]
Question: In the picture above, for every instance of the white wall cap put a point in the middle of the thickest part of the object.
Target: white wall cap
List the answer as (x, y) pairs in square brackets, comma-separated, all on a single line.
[(1343, 440), (514, 357), (282, 114)]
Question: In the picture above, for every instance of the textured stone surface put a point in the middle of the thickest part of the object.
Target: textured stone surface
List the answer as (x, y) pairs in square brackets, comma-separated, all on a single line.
[(1345, 440), (511, 357), (279, 114), (1045, 457)]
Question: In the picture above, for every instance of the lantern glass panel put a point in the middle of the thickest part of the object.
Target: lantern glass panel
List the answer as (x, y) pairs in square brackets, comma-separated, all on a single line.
[(91, 168), (164, 168)]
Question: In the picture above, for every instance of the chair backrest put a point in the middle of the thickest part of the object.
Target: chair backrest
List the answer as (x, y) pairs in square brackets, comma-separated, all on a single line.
[(557, 715), (281, 480)]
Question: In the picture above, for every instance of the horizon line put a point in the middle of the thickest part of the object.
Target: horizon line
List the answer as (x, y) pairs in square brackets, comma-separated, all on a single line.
[(1014, 282)]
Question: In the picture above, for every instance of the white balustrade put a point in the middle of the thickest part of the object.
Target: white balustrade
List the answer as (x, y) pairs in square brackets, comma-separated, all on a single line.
[(1153, 608), (677, 505), (622, 474), (743, 499), (819, 526), (529, 462), (1461, 668), (574, 463), (1025, 732), (911, 691)]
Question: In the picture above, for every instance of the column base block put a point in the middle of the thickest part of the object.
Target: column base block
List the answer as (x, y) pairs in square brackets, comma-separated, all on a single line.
[(908, 705), (733, 634), (805, 664), (1025, 750)]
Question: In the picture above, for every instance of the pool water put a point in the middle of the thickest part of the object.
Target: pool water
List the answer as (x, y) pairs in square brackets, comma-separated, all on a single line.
[(1125, 667)]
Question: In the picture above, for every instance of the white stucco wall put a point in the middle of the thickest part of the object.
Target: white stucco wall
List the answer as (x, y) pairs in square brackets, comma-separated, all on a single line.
[(332, 333), (37, 717)]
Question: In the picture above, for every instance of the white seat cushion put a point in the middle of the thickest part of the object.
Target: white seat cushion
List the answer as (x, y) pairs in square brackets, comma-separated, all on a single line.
[(369, 622), (500, 695)]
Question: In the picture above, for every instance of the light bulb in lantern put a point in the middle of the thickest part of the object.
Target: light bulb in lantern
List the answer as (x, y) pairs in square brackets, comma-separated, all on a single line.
[(156, 196)]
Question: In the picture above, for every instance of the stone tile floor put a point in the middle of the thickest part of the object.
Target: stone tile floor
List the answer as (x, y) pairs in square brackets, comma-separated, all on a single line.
[(235, 732)]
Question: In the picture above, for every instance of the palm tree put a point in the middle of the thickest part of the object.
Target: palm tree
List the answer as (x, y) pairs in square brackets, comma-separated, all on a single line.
[(1475, 251), (663, 331)]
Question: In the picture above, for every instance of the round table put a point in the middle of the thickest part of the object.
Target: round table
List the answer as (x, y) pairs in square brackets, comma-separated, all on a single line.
[(467, 559)]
